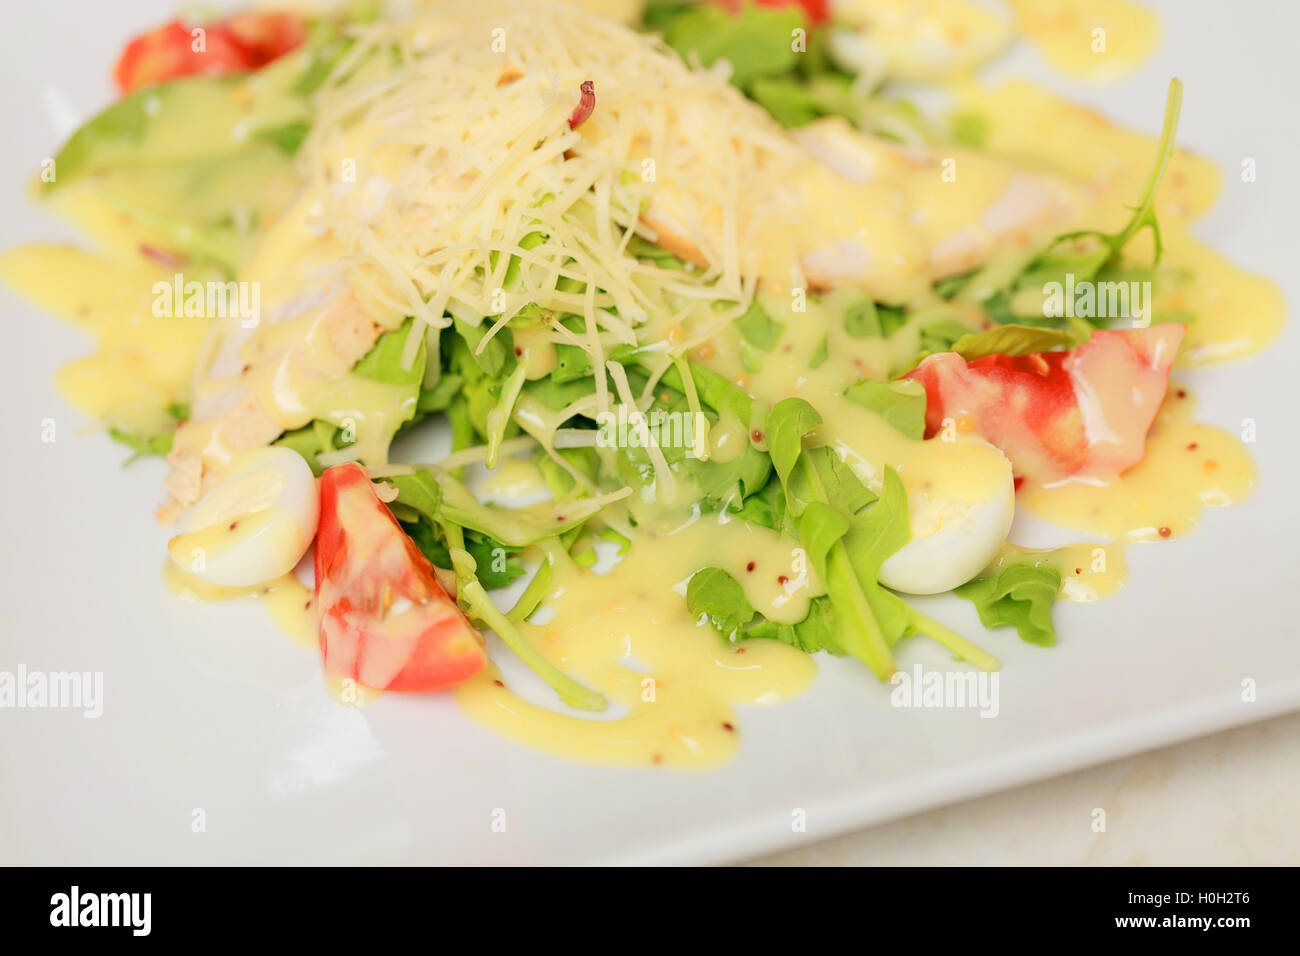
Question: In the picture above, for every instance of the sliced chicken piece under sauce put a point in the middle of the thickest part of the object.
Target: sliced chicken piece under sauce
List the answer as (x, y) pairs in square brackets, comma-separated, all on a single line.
[(867, 211), (962, 204), (260, 382)]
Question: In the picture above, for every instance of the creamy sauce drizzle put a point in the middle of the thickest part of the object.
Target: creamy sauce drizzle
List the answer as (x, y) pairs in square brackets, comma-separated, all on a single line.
[(1188, 467), (628, 634), (1094, 40), (286, 599), (1089, 570)]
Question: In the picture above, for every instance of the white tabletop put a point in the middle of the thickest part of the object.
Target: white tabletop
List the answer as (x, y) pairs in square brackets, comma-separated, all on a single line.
[(1227, 799)]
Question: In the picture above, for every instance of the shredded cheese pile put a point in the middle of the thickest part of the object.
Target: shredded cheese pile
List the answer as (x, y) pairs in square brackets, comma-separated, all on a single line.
[(443, 153)]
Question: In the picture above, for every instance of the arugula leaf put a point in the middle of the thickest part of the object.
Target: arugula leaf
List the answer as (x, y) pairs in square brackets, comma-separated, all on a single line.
[(383, 363), (822, 529), (756, 41), (326, 46), (498, 419), (1015, 340), (1087, 253), (901, 403), (151, 443), (496, 355), (440, 397), (513, 527), (822, 353), (286, 138), (796, 100), (159, 443), (1020, 597), (639, 248), (969, 128), (574, 363), (497, 565), (765, 508), (949, 287), (419, 491), (878, 533), (310, 441), (787, 423), (816, 632), (760, 329), (750, 471), (882, 529), (472, 596), (848, 547), (831, 477), (714, 593), (939, 336), (869, 319), (1144, 213)]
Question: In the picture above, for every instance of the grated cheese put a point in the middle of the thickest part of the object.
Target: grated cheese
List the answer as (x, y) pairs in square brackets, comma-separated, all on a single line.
[(437, 155)]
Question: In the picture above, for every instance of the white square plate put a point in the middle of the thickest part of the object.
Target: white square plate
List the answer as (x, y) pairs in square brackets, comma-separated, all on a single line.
[(207, 707)]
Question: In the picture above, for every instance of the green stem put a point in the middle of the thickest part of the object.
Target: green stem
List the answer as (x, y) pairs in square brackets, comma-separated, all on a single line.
[(1142, 215), (485, 611), (866, 641), (533, 594), (499, 417), (866, 638), (963, 648)]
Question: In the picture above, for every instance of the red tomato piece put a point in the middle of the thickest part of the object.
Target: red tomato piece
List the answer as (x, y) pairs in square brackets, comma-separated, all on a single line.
[(383, 618), (240, 43), (265, 36), (815, 11), (1082, 412), (170, 51)]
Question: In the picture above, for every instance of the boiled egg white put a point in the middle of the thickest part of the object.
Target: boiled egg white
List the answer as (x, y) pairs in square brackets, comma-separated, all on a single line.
[(953, 537), (916, 40), (253, 527)]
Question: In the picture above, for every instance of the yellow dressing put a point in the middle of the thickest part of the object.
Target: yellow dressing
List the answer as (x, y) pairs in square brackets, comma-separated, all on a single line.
[(1237, 313), (286, 599), (1096, 40), (962, 469), (511, 480), (219, 536), (142, 360), (1187, 468), (1089, 570), (628, 635), (1112, 161)]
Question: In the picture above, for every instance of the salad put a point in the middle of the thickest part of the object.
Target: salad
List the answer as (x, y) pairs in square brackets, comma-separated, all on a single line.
[(608, 364)]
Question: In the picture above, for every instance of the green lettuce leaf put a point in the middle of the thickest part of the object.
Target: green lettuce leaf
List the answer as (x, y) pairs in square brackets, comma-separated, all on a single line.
[(901, 403), (715, 595), (1020, 597), (756, 42), (1015, 340), (760, 329)]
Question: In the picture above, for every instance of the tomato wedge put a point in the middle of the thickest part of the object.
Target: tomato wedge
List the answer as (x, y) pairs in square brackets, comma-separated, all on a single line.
[(1082, 412), (169, 52), (815, 11), (237, 44), (265, 36), (383, 618)]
